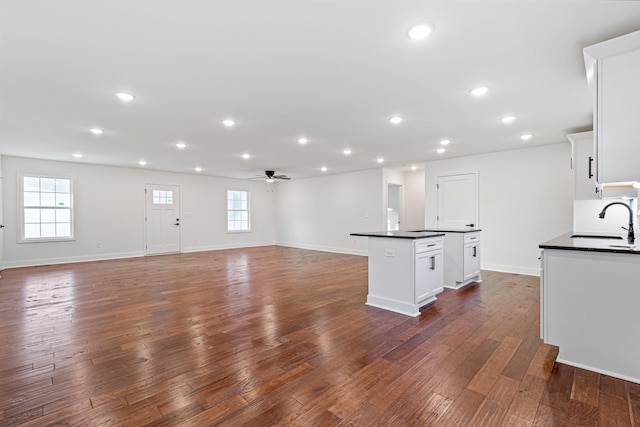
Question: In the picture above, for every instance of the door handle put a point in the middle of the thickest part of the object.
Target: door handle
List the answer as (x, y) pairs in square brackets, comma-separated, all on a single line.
[(1, 226), (469, 225), (590, 163), (177, 221)]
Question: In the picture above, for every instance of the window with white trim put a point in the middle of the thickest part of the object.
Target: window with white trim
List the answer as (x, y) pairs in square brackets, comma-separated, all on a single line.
[(238, 210), (46, 208)]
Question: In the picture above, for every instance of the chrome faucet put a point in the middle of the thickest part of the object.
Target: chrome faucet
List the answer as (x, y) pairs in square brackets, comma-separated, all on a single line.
[(631, 236)]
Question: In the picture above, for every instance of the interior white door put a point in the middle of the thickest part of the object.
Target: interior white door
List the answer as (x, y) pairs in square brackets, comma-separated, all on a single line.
[(162, 219), (458, 201)]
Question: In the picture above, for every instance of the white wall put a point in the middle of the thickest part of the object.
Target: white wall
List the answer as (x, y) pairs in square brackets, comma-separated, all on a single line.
[(319, 213), (413, 200), (109, 207), (525, 198)]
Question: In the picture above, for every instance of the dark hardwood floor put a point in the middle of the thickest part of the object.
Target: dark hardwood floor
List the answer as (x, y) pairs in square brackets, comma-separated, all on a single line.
[(280, 336)]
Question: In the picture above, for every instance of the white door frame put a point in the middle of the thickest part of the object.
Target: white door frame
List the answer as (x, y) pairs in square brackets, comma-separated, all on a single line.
[(147, 194), (400, 204)]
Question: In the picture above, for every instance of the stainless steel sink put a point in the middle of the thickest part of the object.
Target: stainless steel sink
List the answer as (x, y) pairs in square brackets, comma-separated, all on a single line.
[(585, 236)]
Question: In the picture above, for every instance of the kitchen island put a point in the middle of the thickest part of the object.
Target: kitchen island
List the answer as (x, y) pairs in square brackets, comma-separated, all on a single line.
[(590, 296), (406, 269), (461, 256)]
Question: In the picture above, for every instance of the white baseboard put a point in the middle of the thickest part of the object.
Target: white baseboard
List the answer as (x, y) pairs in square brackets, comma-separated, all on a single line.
[(323, 248), (512, 269), (71, 259), (228, 246)]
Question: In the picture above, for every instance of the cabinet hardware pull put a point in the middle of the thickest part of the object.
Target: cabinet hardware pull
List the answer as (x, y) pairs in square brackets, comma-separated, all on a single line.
[(474, 251), (433, 263), (469, 225), (590, 163), (432, 244)]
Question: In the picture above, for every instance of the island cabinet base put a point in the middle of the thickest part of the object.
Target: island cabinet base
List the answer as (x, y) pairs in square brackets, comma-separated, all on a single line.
[(401, 307), (590, 310), (405, 274)]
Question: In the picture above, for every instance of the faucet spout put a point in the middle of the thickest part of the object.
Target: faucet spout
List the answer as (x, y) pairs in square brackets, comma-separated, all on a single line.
[(630, 235)]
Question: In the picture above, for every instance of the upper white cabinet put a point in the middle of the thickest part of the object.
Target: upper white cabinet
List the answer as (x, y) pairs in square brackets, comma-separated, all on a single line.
[(613, 71), (583, 165)]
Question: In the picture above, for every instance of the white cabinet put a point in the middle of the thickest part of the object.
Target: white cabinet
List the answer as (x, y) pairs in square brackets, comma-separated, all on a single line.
[(405, 274), (471, 262), (589, 309), (461, 259), (582, 163), (613, 68), (428, 270)]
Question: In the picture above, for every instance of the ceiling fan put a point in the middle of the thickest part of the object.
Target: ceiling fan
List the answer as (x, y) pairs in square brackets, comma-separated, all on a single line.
[(270, 176)]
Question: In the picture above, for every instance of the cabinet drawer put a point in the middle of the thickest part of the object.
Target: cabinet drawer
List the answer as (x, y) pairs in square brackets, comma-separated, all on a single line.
[(471, 237), (424, 245)]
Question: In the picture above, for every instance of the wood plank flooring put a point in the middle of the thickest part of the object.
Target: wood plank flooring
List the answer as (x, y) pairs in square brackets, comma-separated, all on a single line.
[(280, 336)]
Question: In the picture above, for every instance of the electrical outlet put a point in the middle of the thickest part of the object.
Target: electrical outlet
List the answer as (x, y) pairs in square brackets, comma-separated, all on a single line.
[(389, 252)]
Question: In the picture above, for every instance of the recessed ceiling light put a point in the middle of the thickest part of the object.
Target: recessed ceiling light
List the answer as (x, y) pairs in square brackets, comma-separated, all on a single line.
[(419, 32), (303, 140), (246, 156), (181, 145), (96, 131), (414, 167), (380, 160), (441, 150), (445, 142), (396, 120), (508, 119), (142, 163), (229, 123), (198, 169), (347, 152), (323, 169), (526, 136), (123, 96), (77, 155), (479, 91)]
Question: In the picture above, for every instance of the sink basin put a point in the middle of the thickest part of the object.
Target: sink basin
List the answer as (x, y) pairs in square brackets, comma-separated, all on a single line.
[(585, 236)]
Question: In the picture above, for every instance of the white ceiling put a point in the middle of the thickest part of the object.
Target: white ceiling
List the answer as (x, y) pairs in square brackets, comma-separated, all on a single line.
[(334, 71)]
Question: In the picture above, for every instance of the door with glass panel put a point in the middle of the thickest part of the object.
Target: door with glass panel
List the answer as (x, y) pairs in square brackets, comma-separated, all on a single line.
[(162, 219)]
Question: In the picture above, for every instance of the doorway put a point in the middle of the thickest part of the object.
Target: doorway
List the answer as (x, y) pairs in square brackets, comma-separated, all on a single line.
[(394, 206), (458, 200), (162, 219)]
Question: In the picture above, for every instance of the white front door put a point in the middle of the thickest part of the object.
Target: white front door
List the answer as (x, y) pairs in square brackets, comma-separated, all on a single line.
[(458, 201), (162, 218)]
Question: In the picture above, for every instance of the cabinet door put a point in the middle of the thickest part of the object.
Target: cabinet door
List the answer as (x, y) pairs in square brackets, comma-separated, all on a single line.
[(584, 167), (421, 277), (429, 274), (471, 260)]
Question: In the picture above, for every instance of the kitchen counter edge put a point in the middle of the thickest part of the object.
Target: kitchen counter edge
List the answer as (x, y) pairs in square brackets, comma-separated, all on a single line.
[(565, 242), (399, 234)]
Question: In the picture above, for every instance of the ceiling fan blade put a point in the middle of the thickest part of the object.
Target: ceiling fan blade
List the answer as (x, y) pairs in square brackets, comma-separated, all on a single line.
[(281, 177)]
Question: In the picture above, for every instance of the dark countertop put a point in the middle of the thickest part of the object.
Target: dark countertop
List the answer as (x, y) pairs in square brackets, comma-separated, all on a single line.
[(399, 234), (452, 230), (565, 242)]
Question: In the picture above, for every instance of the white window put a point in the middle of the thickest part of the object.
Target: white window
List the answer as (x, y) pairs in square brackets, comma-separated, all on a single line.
[(162, 197), (46, 208), (237, 210)]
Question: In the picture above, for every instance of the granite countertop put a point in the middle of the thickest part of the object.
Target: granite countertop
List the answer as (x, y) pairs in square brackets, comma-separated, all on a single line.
[(400, 234), (452, 230), (566, 242)]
